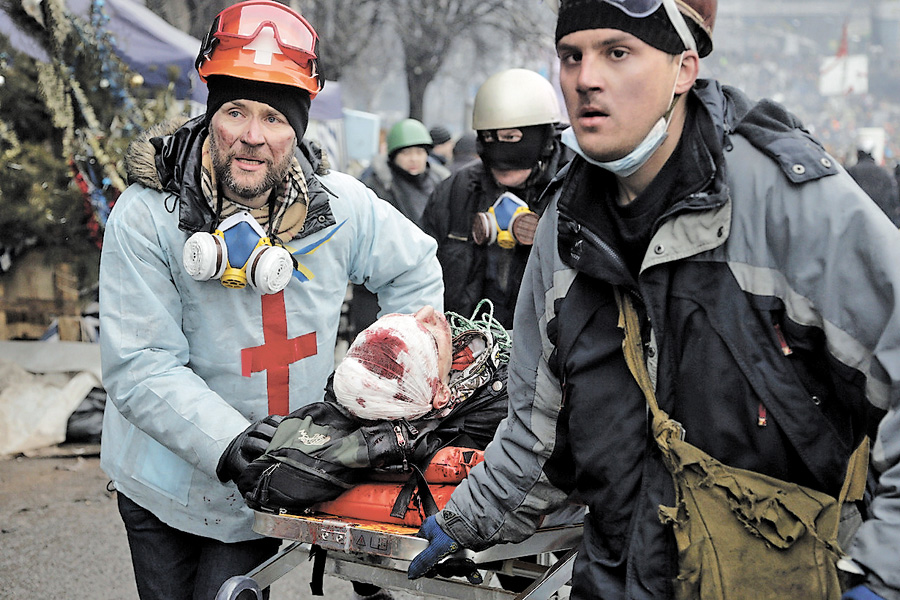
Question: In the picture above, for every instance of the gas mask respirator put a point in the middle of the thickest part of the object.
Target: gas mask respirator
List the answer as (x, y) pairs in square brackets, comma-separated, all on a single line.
[(238, 252), (508, 222)]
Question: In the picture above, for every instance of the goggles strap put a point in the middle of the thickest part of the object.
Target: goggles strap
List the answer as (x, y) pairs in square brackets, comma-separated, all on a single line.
[(680, 24)]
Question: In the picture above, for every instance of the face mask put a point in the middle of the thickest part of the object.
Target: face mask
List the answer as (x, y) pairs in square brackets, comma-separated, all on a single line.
[(238, 252), (631, 162), (523, 154), (507, 222), (637, 158)]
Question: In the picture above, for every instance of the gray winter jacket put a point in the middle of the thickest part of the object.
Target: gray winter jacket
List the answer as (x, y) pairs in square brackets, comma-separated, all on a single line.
[(769, 288)]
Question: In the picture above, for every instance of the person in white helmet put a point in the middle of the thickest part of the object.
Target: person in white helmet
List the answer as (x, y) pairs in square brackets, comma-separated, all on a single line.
[(706, 336), (223, 272), (483, 216)]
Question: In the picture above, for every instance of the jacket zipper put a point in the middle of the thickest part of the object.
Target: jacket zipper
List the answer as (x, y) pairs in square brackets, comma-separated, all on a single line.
[(401, 442), (264, 483), (762, 418)]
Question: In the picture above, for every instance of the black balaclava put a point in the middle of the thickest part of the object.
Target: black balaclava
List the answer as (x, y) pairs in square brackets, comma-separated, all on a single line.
[(523, 154), (290, 101)]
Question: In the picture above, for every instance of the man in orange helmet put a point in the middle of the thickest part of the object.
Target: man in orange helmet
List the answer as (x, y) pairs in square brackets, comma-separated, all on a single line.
[(755, 288), (223, 273)]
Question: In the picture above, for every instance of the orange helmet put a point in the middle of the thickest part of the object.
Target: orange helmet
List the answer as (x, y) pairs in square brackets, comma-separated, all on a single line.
[(262, 40)]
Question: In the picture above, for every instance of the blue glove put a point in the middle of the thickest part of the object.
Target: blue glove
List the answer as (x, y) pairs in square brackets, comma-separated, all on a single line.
[(860, 592), (440, 545)]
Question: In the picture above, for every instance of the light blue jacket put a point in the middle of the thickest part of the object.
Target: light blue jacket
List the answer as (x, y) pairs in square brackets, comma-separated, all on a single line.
[(172, 346)]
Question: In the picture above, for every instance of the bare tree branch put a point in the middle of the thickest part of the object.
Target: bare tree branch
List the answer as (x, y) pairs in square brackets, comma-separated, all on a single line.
[(345, 27), (429, 31)]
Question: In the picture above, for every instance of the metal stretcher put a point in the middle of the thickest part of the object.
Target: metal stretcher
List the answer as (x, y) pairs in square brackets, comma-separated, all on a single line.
[(379, 554)]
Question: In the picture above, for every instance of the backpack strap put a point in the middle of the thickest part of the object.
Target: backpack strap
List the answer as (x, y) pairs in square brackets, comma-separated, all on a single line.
[(854, 488), (415, 482), (634, 357)]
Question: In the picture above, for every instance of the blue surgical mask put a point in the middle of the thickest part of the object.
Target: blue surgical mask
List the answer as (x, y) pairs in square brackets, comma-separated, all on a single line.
[(637, 158), (631, 162)]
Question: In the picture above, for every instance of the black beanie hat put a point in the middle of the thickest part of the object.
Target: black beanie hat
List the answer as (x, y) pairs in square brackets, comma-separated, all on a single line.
[(439, 134), (290, 101), (655, 29)]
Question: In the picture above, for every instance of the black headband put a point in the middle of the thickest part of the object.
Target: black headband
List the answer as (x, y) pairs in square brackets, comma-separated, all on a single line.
[(655, 29)]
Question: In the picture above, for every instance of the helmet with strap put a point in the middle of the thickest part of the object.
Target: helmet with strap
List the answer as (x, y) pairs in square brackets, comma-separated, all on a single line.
[(262, 40)]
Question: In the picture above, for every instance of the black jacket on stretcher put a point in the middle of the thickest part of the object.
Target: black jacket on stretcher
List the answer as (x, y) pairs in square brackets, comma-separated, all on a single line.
[(770, 312)]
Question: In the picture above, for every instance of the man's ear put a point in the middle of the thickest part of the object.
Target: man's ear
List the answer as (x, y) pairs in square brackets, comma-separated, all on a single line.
[(441, 397), (689, 72)]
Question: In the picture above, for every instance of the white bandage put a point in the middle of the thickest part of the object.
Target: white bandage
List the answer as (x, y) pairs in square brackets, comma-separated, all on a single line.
[(390, 371)]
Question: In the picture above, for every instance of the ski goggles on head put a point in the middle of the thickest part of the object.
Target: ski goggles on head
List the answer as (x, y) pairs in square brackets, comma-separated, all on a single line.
[(239, 25), (644, 8), (639, 9), (636, 8)]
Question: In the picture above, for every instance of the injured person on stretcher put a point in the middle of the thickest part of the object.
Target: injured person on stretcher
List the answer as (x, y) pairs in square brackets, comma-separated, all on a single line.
[(409, 387)]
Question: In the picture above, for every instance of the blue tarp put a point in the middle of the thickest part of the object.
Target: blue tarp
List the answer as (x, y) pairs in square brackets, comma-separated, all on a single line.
[(144, 41), (149, 45), (20, 40)]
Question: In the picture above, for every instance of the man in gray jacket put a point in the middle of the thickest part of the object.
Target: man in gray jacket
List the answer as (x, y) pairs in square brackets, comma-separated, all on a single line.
[(764, 283)]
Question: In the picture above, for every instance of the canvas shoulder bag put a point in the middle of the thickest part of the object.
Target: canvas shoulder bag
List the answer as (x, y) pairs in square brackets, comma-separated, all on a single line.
[(739, 534)]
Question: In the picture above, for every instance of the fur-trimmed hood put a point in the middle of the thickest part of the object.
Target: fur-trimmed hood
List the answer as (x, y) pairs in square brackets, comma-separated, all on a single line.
[(140, 158)]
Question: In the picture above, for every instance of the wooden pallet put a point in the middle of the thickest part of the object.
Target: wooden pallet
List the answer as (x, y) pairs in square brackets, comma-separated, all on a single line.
[(33, 294)]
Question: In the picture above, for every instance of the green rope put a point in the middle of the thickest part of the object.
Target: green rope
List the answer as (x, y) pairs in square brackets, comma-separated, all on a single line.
[(482, 319)]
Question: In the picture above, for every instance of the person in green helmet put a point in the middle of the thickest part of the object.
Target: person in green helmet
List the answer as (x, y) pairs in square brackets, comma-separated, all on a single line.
[(404, 176)]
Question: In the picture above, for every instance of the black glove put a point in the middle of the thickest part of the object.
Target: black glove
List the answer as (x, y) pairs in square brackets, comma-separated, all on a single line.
[(246, 447)]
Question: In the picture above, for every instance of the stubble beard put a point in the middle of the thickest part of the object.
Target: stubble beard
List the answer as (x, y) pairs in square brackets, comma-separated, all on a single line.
[(222, 163)]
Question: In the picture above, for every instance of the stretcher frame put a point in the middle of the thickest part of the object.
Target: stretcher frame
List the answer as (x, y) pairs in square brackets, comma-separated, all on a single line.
[(379, 554)]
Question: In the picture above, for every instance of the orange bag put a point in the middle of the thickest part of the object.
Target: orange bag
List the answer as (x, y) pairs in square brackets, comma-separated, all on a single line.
[(375, 502), (452, 464), (404, 503)]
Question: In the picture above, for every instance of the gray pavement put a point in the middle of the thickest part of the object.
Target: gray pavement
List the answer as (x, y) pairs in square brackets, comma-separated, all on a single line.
[(61, 537)]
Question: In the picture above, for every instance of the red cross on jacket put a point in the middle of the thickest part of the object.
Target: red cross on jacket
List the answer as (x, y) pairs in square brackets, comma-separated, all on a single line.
[(277, 353)]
